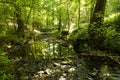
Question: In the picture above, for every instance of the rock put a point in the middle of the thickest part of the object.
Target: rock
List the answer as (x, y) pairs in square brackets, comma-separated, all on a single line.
[(62, 78), (57, 64), (48, 71), (71, 69)]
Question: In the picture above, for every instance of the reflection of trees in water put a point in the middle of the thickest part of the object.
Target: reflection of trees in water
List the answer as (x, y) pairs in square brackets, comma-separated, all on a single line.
[(57, 49)]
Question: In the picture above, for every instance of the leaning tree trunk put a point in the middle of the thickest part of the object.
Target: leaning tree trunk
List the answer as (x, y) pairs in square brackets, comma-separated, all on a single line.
[(96, 23)]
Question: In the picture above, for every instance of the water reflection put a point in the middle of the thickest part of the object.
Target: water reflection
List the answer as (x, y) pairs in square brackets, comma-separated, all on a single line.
[(92, 67), (52, 50), (89, 68), (57, 49)]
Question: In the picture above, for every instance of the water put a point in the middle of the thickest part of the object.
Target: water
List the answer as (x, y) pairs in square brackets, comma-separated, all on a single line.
[(90, 67)]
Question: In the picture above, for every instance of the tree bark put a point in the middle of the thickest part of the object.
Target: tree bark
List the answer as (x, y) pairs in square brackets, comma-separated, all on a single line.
[(96, 23), (59, 19), (99, 12), (79, 14), (19, 20)]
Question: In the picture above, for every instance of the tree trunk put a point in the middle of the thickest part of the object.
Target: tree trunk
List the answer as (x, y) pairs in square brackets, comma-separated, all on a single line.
[(59, 19), (99, 11), (79, 14), (19, 20), (96, 23)]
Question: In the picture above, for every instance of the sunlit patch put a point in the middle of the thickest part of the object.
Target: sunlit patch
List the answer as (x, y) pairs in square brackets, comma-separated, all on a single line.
[(36, 31), (112, 16), (106, 74), (9, 46)]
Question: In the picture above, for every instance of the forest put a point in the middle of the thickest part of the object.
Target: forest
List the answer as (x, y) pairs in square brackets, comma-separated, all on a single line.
[(60, 40)]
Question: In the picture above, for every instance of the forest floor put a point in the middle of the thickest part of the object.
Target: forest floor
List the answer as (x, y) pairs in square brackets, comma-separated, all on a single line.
[(72, 68)]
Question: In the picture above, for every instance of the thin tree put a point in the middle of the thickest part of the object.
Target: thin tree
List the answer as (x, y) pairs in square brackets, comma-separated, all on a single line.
[(79, 14), (19, 19), (59, 19)]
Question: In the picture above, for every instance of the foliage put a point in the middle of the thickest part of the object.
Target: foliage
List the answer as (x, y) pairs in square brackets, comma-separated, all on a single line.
[(3, 66), (112, 6), (79, 39), (43, 41), (112, 33), (114, 21), (81, 33), (112, 40)]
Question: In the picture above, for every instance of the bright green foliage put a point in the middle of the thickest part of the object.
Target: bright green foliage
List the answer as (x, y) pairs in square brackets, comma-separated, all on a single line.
[(114, 21), (113, 6)]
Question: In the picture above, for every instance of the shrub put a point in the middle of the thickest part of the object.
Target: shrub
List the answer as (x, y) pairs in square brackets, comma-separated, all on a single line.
[(114, 21), (112, 40), (79, 40), (112, 33)]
